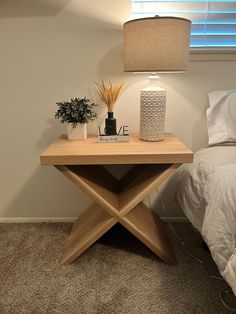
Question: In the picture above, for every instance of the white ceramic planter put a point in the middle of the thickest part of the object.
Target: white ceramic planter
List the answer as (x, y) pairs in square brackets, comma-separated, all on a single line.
[(77, 133)]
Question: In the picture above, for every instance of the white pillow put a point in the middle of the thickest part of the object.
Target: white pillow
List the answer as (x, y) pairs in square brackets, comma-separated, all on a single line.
[(221, 117)]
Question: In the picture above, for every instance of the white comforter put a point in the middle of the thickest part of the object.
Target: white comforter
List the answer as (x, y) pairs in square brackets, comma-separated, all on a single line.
[(207, 195)]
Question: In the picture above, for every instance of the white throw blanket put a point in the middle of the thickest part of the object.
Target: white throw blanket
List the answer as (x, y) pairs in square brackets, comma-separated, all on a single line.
[(207, 195)]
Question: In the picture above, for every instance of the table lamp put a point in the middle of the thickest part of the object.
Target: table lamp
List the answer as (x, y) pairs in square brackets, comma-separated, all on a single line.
[(156, 44)]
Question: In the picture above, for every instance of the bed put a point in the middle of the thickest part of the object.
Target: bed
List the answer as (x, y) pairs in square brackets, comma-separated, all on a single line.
[(207, 196), (207, 191)]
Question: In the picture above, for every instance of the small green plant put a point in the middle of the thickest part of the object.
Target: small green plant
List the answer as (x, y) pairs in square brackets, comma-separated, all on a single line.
[(75, 111)]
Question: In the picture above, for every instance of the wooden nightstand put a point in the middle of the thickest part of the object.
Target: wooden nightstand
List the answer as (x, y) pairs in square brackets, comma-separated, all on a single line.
[(118, 200)]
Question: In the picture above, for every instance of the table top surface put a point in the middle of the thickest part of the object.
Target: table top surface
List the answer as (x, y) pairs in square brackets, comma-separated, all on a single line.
[(88, 152)]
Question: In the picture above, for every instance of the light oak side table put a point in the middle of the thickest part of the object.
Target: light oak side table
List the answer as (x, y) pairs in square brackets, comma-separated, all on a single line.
[(118, 200)]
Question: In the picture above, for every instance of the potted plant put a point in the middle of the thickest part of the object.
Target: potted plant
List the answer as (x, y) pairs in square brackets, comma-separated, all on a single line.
[(76, 113), (108, 95)]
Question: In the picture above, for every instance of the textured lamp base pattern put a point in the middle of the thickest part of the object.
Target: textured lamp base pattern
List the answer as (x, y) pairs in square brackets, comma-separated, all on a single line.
[(152, 115)]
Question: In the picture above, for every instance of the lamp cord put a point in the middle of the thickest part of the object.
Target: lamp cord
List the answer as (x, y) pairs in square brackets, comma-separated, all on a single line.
[(179, 239)]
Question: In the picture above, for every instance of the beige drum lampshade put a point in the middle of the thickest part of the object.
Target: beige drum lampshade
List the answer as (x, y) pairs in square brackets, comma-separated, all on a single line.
[(156, 44)]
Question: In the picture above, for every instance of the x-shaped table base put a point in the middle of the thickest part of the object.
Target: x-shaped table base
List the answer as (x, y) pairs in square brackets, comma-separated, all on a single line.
[(118, 201)]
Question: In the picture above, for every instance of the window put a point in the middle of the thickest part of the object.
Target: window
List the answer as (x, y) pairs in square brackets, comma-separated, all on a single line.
[(213, 21)]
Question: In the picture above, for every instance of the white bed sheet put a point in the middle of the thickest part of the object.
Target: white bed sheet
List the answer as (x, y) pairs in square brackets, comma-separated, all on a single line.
[(207, 195)]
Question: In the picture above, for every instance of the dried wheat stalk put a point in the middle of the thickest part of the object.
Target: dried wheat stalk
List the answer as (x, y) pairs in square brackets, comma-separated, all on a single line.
[(108, 93)]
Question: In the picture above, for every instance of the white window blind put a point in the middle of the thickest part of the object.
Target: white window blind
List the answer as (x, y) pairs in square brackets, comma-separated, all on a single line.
[(213, 21)]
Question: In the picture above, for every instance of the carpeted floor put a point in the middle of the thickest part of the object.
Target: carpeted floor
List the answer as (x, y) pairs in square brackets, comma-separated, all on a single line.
[(116, 275)]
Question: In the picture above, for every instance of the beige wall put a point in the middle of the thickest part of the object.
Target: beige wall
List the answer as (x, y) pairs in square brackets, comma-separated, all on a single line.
[(52, 50)]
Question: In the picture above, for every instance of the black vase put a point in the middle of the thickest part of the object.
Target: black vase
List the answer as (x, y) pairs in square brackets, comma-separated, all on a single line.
[(110, 124)]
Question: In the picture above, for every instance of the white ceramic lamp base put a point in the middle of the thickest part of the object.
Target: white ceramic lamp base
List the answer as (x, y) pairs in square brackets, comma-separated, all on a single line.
[(152, 112)]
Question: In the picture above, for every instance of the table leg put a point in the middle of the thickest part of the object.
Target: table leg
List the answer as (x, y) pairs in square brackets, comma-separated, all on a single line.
[(118, 201), (143, 223), (86, 230)]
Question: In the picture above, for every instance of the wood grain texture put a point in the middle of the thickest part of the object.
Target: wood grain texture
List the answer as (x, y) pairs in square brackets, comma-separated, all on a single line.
[(144, 184), (130, 175), (118, 206), (118, 200), (151, 230), (97, 182), (108, 192), (87, 229), (64, 152)]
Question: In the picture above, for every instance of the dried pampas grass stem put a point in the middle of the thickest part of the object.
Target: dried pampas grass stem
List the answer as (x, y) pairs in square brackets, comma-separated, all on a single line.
[(109, 93)]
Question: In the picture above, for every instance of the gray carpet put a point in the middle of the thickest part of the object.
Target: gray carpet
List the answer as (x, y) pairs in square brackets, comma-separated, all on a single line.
[(118, 274)]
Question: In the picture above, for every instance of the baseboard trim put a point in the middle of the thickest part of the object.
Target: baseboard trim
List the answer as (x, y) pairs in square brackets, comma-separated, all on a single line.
[(69, 219), (38, 219), (174, 219)]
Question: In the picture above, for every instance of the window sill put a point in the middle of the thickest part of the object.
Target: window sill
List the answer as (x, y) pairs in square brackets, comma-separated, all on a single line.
[(212, 54)]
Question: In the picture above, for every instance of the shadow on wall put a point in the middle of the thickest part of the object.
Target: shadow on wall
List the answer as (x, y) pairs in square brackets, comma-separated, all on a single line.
[(47, 189), (41, 77), (25, 8), (199, 125), (53, 129), (165, 203), (111, 63)]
